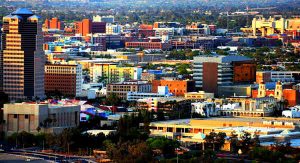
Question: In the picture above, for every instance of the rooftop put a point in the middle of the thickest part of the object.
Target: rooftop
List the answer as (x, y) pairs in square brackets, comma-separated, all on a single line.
[(228, 119), (22, 11), (34, 17), (221, 58)]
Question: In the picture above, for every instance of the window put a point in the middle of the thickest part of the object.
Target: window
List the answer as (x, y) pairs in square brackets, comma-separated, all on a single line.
[(15, 115), (169, 129), (26, 116)]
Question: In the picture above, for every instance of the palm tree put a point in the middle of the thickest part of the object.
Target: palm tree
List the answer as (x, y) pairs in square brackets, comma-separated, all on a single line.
[(233, 138), (101, 79), (38, 129)]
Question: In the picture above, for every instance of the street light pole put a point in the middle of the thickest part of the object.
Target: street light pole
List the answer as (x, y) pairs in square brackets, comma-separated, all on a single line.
[(17, 141), (177, 150), (69, 151), (239, 153), (17, 138)]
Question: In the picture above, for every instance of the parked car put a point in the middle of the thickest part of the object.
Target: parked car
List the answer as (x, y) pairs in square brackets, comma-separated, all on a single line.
[(293, 112)]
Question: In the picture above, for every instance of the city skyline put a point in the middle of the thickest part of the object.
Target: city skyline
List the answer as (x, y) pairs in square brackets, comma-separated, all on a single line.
[(149, 81)]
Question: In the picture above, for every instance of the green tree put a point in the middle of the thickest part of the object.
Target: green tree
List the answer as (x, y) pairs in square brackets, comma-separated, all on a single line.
[(221, 52), (113, 99), (216, 140), (102, 79), (183, 69), (234, 141), (167, 146), (23, 139), (129, 151)]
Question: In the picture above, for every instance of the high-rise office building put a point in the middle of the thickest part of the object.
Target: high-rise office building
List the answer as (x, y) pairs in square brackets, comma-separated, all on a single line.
[(87, 26), (210, 72), (83, 27), (53, 23), (22, 58)]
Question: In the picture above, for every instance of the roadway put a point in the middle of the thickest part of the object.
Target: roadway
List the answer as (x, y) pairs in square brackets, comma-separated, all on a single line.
[(47, 157)]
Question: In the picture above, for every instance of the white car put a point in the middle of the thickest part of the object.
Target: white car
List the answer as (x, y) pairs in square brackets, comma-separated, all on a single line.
[(294, 112)]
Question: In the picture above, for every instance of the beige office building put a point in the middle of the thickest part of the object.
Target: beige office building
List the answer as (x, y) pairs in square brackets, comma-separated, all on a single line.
[(29, 117)]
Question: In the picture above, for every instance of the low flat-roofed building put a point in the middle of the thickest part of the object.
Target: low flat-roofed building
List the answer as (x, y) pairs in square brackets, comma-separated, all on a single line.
[(110, 71), (122, 88), (163, 91), (275, 76), (31, 117), (148, 45), (167, 104), (235, 106), (186, 130), (177, 87), (249, 107), (198, 95), (235, 90)]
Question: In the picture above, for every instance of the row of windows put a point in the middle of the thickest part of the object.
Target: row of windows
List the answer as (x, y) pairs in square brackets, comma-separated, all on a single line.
[(122, 87), (12, 41), (13, 90), (61, 72), (8, 25), (26, 116), (12, 45), (177, 91), (61, 76), (59, 68), (13, 66), (47, 83), (14, 53), (10, 85), (13, 37), (20, 62), (12, 76), (13, 32), (119, 94), (67, 81), (170, 85), (21, 58), (64, 90), (123, 90)]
